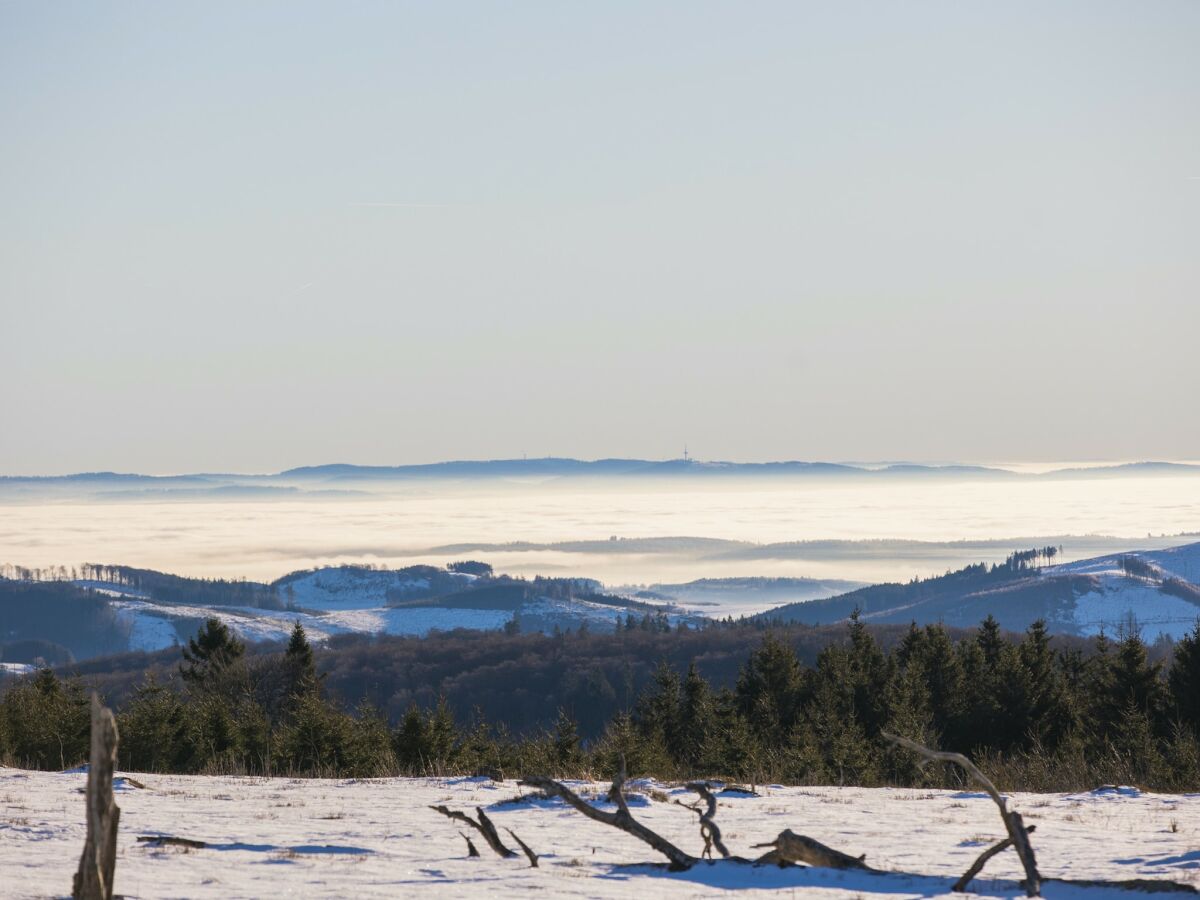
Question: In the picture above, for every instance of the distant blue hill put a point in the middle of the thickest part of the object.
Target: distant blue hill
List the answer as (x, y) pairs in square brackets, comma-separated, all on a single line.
[(560, 467)]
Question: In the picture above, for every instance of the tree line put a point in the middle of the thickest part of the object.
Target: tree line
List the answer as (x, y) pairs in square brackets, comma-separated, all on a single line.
[(1041, 717)]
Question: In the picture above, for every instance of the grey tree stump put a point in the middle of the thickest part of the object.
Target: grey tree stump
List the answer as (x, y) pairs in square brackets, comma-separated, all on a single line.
[(94, 879)]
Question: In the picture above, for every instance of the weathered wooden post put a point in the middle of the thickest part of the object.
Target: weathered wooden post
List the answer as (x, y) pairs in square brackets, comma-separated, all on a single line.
[(94, 880)]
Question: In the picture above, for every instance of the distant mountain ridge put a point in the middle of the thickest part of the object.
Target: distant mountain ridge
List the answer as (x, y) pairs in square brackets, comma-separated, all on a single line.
[(343, 477)]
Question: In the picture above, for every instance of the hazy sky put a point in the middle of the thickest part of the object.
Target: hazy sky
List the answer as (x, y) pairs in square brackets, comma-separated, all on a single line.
[(247, 236)]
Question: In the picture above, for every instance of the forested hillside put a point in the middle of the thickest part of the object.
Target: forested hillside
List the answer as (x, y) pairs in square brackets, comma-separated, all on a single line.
[(1044, 714)]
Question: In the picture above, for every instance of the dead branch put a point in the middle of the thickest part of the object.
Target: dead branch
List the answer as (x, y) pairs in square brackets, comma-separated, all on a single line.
[(790, 847), (708, 828), (621, 819), (1013, 824), (471, 851), (960, 886), (484, 826), (97, 865), (533, 858), (164, 840)]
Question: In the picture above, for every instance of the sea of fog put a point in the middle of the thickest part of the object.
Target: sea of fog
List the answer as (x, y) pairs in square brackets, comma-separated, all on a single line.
[(743, 524)]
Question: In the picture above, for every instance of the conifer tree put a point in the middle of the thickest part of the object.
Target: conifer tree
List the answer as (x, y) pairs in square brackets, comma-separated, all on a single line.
[(1184, 680), (151, 729), (442, 736), (1049, 714), (300, 664), (657, 714), (567, 751), (212, 651), (943, 672), (1136, 682), (411, 741), (868, 669), (769, 690), (697, 720)]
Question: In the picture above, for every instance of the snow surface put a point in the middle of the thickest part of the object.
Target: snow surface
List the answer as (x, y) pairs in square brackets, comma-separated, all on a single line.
[(153, 624), (1119, 595), (378, 838), (351, 588), (110, 589), (1156, 613)]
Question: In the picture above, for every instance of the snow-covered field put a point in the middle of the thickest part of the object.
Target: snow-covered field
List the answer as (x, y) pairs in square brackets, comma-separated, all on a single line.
[(275, 837)]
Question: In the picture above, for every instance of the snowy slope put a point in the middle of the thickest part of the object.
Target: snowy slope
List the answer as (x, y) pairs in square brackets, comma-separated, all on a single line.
[(1082, 597), (357, 599), (156, 625), (312, 838), (1119, 596), (352, 587)]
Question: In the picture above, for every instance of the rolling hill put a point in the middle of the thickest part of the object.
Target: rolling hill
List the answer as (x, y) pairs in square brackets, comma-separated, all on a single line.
[(1156, 591)]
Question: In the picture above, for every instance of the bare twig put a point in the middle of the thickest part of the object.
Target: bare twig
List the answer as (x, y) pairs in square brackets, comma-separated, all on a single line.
[(1013, 823)]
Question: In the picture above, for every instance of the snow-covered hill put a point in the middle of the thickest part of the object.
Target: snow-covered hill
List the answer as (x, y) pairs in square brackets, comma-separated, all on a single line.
[(355, 599), (378, 838), (1118, 596), (1155, 591)]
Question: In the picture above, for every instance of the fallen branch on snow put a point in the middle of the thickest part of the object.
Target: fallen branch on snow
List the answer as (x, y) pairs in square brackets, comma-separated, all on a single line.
[(488, 831), (1018, 834)]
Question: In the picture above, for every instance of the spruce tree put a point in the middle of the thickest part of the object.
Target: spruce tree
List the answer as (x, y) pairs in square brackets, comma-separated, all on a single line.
[(151, 729), (411, 741), (697, 720), (944, 679), (1136, 682), (1184, 681), (657, 714), (1049, 714), (300, 664), (769, 690), (210, 653), (869, 673), (567, 751)]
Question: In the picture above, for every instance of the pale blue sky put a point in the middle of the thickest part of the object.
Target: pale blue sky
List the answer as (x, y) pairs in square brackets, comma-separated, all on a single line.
[(245, 236)]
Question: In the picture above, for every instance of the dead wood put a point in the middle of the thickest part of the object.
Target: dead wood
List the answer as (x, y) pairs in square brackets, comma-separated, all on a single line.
[(484, 826), (621, 819), (471, 851), (165, 840), (790, 847), (709, 831), (1017, 832), (97, 865), (976, 867), (533, 858)]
